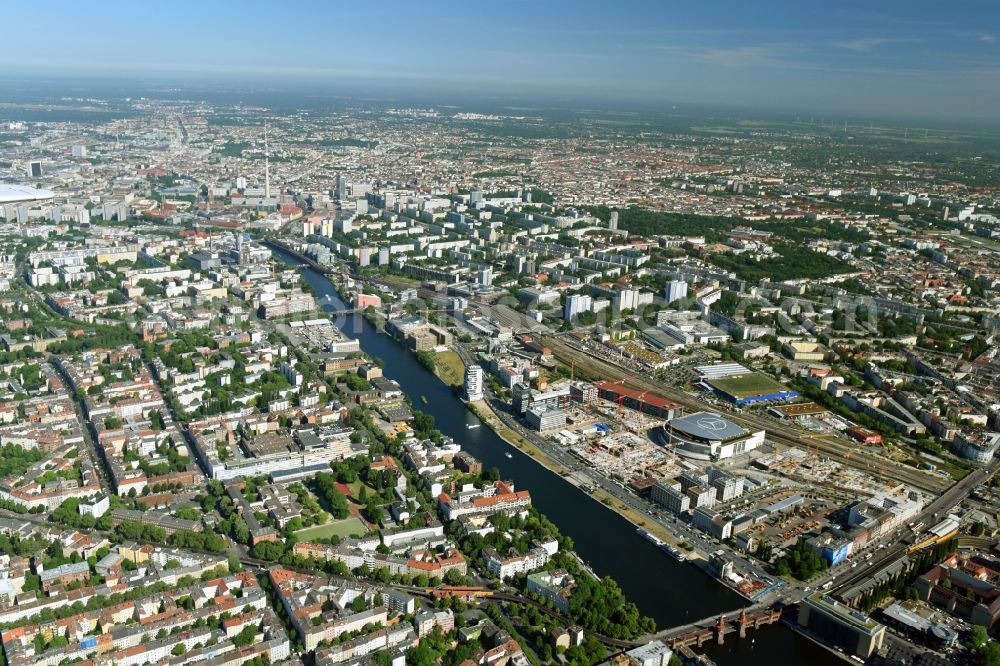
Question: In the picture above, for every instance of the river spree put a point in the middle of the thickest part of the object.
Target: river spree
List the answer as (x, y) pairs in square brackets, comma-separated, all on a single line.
[(671, 592)]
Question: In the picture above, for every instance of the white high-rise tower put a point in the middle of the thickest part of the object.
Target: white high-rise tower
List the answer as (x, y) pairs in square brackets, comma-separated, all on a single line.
[(675, 290), (474, 383), (267, 166)]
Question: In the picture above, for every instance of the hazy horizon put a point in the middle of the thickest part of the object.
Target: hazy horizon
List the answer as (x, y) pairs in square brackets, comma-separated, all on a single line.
[(899, 59), (286, 95)]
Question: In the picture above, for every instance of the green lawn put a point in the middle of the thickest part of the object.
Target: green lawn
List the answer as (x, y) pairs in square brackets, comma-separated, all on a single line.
[(450, 368), (356, 487), (349, 526)]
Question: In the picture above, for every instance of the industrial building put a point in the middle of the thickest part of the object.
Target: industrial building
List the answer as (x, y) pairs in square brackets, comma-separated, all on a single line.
[(964, 585), (670, 495), (641, 401), (654, 653), (805, 351), (727, 486), (545, 418), (883, 513), (295, 302), (525, 398), (979, 446)]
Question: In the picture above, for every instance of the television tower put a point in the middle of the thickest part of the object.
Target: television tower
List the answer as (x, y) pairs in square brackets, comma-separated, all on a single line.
[(267, 166)]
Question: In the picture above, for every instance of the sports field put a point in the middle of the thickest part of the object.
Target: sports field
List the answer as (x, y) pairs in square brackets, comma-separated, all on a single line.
[(349, 526), (746, 386)]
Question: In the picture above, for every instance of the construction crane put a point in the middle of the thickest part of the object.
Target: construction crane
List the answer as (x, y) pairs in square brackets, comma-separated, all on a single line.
[(639, 401), (620, 398)]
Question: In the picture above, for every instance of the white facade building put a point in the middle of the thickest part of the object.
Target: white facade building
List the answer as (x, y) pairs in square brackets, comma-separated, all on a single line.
[(474, 383), (575, 305), (675, 291)]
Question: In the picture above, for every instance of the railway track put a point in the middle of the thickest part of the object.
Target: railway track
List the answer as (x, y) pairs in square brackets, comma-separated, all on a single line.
[(841, 453)]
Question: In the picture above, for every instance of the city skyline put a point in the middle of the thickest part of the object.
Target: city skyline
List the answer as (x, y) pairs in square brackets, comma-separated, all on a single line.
[(897, 60), (499, 334)]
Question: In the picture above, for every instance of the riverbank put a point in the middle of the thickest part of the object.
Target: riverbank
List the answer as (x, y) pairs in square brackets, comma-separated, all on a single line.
[(486, 414), (606, 540), (448, 372), (492, 421)]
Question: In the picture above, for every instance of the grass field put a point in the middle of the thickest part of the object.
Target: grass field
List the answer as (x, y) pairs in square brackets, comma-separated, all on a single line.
[(449, 368), (349, 526), (356, 487), (745, 386)]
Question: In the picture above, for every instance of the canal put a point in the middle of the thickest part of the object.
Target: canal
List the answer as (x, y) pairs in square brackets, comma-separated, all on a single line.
[(671, 592)]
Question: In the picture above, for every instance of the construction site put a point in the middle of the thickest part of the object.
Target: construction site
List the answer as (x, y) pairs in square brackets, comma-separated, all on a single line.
[(848, 461), (621, 456), (624, 436)]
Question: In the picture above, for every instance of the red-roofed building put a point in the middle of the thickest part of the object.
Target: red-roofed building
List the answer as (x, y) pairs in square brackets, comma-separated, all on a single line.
[(497, 498), (646, 402), (864, 436)]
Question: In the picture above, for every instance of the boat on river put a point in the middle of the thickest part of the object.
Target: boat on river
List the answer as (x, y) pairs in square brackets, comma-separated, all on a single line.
[(662, 545), (656, 541)]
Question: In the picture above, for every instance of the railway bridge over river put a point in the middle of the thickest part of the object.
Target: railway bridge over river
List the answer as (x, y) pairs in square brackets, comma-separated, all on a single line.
[(718, 627)]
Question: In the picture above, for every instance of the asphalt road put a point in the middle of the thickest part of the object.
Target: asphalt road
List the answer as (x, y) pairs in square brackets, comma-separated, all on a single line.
[(931, 514), (96, 455)]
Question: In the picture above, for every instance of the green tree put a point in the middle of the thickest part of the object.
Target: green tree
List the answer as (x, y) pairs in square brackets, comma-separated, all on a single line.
[(326, 486), (268, 550), (246, 636), (987, 655), (977, 637)]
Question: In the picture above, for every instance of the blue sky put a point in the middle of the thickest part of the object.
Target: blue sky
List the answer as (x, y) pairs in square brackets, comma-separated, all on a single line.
[(879, 56)]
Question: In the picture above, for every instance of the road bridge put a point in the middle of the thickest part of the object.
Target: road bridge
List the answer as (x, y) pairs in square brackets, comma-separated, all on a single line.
[(718, 627)]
